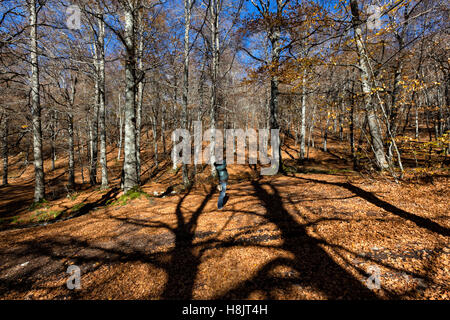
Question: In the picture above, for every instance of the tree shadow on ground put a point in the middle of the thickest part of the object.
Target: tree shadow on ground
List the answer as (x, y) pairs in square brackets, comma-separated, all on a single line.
[(45, 255), (68, 213), (15, 199), (103, 201), (180, 251), (313, 266), (184, 262), (370, 197)]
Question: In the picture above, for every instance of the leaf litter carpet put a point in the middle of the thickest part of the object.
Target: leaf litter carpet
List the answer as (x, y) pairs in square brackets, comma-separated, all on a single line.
[(297, 236)]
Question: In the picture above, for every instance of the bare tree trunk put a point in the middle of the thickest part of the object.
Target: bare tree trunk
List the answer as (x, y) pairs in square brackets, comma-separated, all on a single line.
[(352, 126), (53, 138), (130, 176), (187, 25), (80, 156), (71, 180), (93, 143), (39, 190), (155, 132), (175, 100), (325, 135), (416, 121), (140, 91), (102, 97), (162, 109), (94, 136), (120, 130), (311, 131), (341, 118), (446, 126), (274, 34), (214, 9), (5, 149), (303, 119), (374, 129)]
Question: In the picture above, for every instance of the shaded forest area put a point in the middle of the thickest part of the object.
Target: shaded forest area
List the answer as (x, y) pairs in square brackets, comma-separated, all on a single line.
[(91, 92)]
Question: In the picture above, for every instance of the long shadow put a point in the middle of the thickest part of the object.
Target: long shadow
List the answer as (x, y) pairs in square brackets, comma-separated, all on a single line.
[(370, 197), (112, 193), (181, 266), (184, 262), (86, 208), (156, 170), (313, 266), (15, 198)]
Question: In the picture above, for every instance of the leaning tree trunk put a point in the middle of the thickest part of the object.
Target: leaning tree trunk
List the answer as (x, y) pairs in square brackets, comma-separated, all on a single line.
[(130, 172), (39, 187), (374, 129)]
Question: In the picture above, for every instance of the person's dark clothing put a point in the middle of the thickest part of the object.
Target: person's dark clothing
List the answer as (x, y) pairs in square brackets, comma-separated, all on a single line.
[(222, 171), (223, 178)]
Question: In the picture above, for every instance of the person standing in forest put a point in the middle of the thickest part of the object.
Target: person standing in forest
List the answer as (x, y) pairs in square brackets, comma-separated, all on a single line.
[(222, 173)]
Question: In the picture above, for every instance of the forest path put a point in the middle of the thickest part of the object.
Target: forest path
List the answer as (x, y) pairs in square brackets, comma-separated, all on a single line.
[(295, 236)]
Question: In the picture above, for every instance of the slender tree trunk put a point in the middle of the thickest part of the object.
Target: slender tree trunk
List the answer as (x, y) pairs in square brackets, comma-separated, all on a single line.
[(374, 129), (393, 110), (187, 25), (175, 101), (99, 91), (4, 127), (120, 129), (71, 180), (352, 127), (163, 127), (325, 135), (102, 98), (416, 121), (447, 100), (94, 138), (440, 117), (303, 119), (53, 138), (140, 91), (155, 134), (80, 156), (392, 121), (214, 9), (341, 119), (39, 191), (311, 131)]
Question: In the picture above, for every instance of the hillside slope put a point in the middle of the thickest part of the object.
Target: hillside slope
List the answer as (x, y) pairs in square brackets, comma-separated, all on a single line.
[(315, 235)]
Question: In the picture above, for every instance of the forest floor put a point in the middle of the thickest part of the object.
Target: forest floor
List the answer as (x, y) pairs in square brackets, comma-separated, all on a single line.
[(319, 231)]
